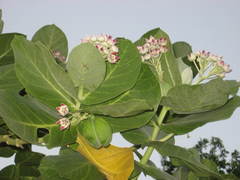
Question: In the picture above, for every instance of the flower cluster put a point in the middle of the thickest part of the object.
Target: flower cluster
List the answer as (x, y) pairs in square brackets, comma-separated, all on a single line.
[(153, 48), (106, 46), (57, 55), (210, 64), (63, 111)]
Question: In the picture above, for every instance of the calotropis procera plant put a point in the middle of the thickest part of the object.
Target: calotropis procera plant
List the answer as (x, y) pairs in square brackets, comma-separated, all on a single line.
[(150, 91)]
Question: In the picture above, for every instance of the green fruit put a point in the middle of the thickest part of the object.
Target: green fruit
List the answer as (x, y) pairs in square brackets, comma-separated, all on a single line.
[(96, 131)]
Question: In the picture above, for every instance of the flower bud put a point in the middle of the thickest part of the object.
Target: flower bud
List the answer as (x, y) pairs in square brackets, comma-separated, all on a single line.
[(62, 109), (64, 123)]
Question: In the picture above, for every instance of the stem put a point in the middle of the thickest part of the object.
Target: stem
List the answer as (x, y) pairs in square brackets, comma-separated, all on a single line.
[(155, 133), (12, 141)]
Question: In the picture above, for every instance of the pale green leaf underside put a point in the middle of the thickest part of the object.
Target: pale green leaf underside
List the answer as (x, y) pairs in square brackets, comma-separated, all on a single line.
[(86, 67), (42, 77)]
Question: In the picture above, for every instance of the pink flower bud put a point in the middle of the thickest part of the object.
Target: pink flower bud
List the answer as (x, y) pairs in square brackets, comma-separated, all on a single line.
[(62, 109), (64, 123)]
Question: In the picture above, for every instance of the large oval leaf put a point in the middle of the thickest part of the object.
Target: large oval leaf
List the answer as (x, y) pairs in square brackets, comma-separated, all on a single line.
[(120, 76), (187, 99), (86, 67), (40, 74), (26, 117), (115, 162), (145, 95), (183, 125), (53, 38)]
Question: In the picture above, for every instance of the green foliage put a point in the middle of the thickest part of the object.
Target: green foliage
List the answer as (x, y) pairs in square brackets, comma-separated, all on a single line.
[(69, 165), (182, 125), (43, 78), (185, 99), (120, 77), (26, 166), (134, 101), (91, 98)]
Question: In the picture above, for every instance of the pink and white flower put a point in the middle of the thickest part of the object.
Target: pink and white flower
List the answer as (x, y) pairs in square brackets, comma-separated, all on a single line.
[(106, 46), (153, 48), (62, 109), (64, 123)]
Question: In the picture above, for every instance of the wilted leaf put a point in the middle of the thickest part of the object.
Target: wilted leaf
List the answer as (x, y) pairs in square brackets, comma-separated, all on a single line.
[(115, 162)]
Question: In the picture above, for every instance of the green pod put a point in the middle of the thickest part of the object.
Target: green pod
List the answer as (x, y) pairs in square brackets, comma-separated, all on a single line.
[(96, 131)]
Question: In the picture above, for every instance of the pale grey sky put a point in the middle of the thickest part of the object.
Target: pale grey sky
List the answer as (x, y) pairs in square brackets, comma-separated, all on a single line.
[(207, 24)]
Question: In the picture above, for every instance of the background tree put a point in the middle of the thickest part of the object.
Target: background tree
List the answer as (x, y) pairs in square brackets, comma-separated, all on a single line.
[(211, 149)]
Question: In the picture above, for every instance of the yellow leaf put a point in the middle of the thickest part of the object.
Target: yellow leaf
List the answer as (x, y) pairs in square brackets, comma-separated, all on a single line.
[(115, 162)]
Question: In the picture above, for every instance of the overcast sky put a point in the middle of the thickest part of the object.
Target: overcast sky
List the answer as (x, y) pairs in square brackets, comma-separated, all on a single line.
[(212, 25)]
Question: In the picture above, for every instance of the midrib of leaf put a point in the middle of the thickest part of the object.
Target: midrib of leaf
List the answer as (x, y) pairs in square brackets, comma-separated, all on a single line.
[(5, 53), (51, 37), (95, 133)]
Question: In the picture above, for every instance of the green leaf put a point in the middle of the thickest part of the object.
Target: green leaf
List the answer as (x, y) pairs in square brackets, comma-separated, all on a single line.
[(187, 99), (6, 151), (155, 172), (125, 123), (186, 157), (134, 101), (8, 173), (181, 49), (6, 53), (96, 131), (53, 38), (86, 67), (1, 22), (182, 125), (28, 162), (42, 78), (143, 135), (186, 72), (171, 76), (25, 117), (182, 173), (71, 166), (120, 77), (8, 78)]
